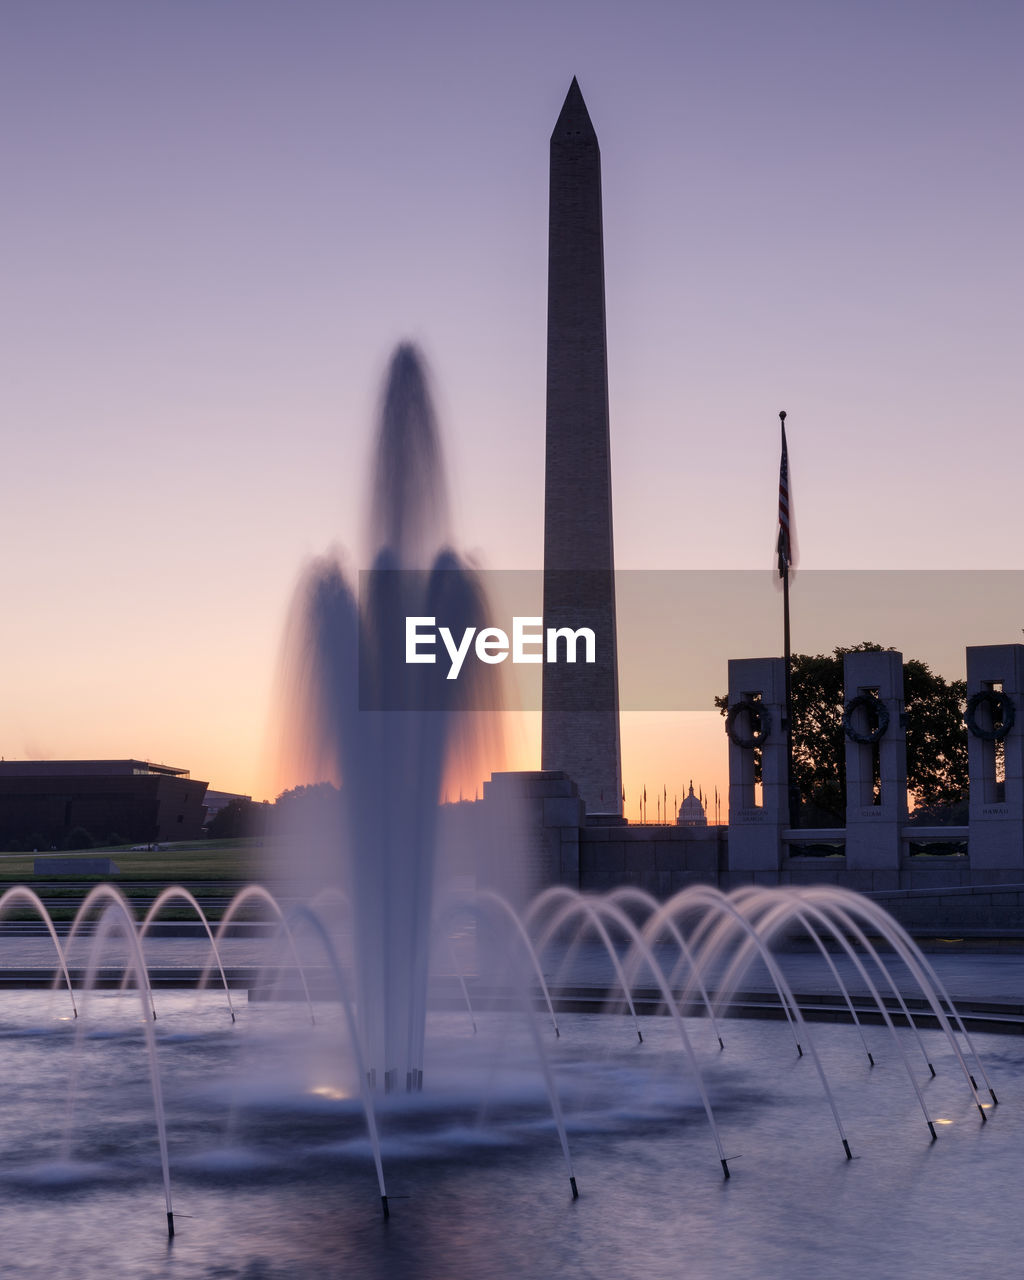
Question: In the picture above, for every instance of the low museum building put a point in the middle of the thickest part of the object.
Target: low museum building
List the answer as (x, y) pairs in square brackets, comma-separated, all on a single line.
[(43, 803)]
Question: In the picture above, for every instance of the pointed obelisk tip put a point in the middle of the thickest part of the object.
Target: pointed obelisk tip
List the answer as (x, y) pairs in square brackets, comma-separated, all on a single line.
[(574, 118)]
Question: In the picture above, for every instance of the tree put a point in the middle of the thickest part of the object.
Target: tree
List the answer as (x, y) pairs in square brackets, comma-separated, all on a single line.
[(936, 736), (315, 804), (311, 794), (236, 819), (78, 838)]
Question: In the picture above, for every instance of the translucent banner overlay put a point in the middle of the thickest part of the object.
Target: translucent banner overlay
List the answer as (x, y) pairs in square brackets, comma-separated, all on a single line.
[(675, 630)]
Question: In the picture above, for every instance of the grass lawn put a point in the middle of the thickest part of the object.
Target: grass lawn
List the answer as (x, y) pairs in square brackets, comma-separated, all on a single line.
[(238, 860)]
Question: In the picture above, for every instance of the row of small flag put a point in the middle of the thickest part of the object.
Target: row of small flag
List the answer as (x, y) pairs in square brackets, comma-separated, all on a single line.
[(662, 811)]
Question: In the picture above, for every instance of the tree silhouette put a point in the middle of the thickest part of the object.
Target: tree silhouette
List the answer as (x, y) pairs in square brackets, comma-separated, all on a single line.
[(236, 819), (937, 778)]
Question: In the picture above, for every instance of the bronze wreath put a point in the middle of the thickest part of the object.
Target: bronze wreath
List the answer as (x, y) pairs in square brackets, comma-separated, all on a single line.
[(870, 704), (760, 723), (1000, 704)]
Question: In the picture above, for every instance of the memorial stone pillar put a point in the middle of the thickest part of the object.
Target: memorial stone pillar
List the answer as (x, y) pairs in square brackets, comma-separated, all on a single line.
[(757, 815), (876, 763), (995, 757)]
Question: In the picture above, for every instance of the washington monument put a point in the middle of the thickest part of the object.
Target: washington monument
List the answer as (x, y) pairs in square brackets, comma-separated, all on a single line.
[(580, 723)]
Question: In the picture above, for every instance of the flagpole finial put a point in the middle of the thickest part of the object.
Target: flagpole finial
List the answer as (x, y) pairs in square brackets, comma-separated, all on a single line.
[(782, 415)]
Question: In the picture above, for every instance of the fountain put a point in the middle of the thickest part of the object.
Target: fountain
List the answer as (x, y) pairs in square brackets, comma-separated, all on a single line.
[(449, 1042), (383, 731)]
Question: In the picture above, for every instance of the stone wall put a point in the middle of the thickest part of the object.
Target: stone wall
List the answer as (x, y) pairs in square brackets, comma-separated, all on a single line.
[(968, 911), (540, 835), (533, 822), (660, 859)]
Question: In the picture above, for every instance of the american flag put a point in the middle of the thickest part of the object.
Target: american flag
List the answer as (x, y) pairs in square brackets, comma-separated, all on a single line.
[(785, 546)]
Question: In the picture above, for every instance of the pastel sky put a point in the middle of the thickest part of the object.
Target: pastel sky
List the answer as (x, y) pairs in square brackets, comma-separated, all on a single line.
[(220, 217)]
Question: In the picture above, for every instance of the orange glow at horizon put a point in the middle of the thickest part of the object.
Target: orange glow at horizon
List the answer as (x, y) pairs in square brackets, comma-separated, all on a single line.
[(662, 751)]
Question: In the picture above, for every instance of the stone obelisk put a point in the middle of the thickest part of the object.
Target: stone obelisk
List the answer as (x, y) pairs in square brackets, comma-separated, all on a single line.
[(580, 722)]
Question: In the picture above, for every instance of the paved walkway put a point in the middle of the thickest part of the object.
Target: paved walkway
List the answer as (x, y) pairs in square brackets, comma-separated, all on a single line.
[(973, 977), (977, 977)]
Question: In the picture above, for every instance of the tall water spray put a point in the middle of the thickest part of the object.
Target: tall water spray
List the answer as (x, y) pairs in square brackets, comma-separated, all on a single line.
[(383, 731)]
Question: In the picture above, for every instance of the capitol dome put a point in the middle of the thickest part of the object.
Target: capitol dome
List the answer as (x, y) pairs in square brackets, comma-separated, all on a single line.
[(691, 812)]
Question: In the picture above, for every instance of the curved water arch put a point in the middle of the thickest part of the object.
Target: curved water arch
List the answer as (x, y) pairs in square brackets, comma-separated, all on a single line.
[(763, 900), (777, 913), (439, 928), (768, 902), (562, 893), (20, 892), (117, 907), (489, 895), (751, 893), (577, 904), (752, 946), (713, 931), (718, 902), (931, 986), (844, 920), (470, 902), (96, 894), (475, 904), (168, 895), (812, 894), (462, 983), (256, 893), (600, 906), (939, 989), (311, 918), (630, 893), (330, 893)]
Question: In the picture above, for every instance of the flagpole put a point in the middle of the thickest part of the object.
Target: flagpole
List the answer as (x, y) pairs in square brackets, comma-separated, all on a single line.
[(787, 657), (784, 557)]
